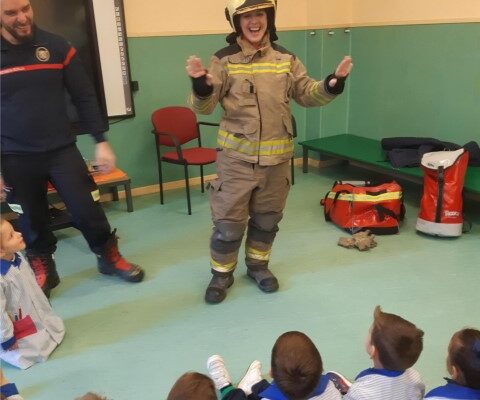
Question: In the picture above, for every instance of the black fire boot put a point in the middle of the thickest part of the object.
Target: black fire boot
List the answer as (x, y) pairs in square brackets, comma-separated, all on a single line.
[(111, 262), (264, 278), (217, 288), (44, 268)]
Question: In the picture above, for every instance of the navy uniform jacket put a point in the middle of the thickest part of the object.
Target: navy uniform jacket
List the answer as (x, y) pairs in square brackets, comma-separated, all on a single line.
[(34, 77)]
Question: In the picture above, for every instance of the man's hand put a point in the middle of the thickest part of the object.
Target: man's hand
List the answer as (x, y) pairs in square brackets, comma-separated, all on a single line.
[(195, 69), (105, 157), (342, 71)]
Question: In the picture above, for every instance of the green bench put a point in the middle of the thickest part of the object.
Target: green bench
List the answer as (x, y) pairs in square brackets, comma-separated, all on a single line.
[(369, 153)]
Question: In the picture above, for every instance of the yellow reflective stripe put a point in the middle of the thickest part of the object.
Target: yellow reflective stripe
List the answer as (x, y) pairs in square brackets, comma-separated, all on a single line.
[(255, 254), (366, 197), (245, 146), (318, 95), (222, 267), (260, 71), (259, 68), (255, 65)]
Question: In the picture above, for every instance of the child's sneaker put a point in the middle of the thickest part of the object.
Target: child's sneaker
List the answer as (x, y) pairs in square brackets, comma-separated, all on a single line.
[(251, 377), (218, 372), (341, 383)]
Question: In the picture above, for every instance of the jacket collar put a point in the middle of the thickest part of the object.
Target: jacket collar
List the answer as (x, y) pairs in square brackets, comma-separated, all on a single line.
[(6, 264), (248, 50), (453, 390), (378, 371), (273, 392)]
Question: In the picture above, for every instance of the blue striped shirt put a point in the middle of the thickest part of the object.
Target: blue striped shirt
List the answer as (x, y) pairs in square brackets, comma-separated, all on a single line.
[(382, 384)]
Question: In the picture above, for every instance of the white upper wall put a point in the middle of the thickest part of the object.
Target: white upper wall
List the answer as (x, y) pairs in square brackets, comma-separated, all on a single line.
[(402, 12), (162, 18)]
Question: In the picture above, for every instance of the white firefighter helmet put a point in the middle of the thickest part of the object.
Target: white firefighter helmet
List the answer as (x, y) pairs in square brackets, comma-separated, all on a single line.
[(237, 7)]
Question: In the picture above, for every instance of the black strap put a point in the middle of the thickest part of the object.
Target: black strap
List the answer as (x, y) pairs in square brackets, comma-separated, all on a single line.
[(382, 211), (441, 185), (376, 193), (324, 203)]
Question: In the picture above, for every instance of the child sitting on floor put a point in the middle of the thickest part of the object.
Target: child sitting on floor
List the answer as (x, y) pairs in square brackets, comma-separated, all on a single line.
[(463, 365), (193, 386), (394, 345), (29, 330), (296, 369)]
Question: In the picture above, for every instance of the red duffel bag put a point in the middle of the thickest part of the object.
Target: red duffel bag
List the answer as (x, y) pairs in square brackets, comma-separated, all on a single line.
[(356, 206)]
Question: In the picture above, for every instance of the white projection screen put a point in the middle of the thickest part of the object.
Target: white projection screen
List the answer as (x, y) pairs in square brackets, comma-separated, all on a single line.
[(96, 28)]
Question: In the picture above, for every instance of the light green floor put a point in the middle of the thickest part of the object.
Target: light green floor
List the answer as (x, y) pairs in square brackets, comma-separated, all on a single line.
[(131, 341)]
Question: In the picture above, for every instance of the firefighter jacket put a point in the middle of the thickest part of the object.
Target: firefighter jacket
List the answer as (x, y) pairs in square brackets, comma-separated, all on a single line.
[(254, 87)]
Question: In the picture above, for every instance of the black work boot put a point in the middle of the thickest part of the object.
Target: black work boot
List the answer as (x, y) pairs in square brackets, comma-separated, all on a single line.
[(264, 278), (217, 288), (44, 268), (111, 262)]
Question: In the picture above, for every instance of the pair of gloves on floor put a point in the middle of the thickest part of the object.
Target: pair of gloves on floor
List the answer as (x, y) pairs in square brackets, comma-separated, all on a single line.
[(362, 241)]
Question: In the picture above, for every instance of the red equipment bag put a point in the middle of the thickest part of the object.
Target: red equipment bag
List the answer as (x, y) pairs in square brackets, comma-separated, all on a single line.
[(356, 206), (441, 212)]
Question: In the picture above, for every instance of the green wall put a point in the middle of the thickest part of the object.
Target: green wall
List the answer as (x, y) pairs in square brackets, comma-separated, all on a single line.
[(407, 81), (421, 80)]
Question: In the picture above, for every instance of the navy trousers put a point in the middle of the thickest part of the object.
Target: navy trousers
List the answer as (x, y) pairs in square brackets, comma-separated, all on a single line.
[(26, 179)]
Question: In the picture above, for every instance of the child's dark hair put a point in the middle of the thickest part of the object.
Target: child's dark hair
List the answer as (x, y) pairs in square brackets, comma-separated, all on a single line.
[(398, 341), (296, 365), (464, 354), (193, 386), (91, 396)]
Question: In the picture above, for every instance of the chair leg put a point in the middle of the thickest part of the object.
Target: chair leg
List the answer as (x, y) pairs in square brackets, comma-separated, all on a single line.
[(160, 180), (128, 196), (292, 169), (201, 178), (187, 185)]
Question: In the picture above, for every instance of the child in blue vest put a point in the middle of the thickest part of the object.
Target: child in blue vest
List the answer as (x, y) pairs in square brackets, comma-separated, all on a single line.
[(29, 330), (394, 345), (296, 369), (463, 365)]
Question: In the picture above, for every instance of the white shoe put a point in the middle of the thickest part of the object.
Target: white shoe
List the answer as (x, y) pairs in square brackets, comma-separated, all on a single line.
[(218, 372), (251, 377)]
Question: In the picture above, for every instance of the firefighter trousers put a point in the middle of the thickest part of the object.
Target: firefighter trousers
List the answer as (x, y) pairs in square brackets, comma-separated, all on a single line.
[(246, 194)]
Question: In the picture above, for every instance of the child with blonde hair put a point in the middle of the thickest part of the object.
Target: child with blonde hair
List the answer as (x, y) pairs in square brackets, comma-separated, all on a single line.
[(29, 330)]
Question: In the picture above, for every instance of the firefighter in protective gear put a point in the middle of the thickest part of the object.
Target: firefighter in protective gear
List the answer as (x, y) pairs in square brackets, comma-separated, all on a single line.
[(254, 80)]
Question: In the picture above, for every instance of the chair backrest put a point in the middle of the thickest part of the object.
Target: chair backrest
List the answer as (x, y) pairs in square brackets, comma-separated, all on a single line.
[(294, 127), (178, 121)]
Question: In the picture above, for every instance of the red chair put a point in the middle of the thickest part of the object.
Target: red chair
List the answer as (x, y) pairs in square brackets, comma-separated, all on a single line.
[(174, 127)]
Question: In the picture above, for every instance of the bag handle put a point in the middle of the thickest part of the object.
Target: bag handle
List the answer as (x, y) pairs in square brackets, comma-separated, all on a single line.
[(383, 211)]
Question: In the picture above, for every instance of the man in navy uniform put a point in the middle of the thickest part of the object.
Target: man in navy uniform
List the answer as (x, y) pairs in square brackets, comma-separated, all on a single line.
[(37, 145)]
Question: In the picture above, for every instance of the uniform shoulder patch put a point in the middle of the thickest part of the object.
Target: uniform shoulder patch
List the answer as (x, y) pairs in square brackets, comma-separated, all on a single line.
[(228, 51), (282, 50)]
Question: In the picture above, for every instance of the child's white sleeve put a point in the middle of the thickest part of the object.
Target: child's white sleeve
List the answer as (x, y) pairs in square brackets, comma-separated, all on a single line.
[(7, 338)]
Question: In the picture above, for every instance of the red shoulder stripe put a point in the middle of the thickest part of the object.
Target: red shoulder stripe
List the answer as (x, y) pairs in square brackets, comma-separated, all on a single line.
[(69, 56), (33, 67)]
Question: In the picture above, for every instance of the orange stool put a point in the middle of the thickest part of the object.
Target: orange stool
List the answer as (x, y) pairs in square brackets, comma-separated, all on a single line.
[(111, 180)]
